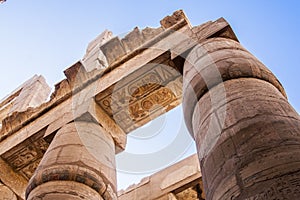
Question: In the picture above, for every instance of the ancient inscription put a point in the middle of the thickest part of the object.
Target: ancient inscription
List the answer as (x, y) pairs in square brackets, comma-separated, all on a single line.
[(120, 95), (25, 157), (281, 189), (30, 169), (139, 110), (22, 157), (133, 100)]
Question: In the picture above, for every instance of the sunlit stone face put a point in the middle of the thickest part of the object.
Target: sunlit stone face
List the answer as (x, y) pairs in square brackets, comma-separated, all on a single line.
[(143, 95)]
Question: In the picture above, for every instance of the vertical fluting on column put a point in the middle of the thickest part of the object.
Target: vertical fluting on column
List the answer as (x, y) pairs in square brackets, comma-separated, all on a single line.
[(79, 164), (246, 132)]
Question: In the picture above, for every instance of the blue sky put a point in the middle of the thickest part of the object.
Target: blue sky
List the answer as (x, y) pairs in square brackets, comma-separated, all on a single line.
[(46, 37)]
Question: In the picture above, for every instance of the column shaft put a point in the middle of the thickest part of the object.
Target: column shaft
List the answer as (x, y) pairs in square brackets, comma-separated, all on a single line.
[(79, 164), (246, 132)]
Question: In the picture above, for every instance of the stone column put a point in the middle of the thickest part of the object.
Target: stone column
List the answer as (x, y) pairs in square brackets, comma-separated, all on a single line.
[(246, 132), (79, 164)]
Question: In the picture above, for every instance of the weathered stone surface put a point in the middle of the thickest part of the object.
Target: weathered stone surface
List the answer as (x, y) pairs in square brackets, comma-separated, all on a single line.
[(7, 103), (131, 103), (169, 196), (149, 33), (244, 153), (111, 127), (61, 90), (64, 190), (113, 50), (98, 41), (94, 57), (169, 21), (133, 40), (183, 174), (254, 156), (246, 132), (76, 75), (96, 60), (20, 105), (33, 93), (60, 102), (25, 157), (218, 28), (214, 61), (188, 194), (178, 175), (81, 152), (6, 193), (13, 180)]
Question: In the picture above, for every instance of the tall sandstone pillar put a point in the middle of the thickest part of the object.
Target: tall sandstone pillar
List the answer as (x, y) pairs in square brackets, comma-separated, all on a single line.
[(79, 164), (246, 132)]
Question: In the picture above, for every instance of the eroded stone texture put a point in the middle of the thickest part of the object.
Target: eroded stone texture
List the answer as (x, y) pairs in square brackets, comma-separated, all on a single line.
[(29, 95), (180, 181), (6, 193), (81, 153), (94, 57), (247, 134), (133, 40), (137, 98), (169, 21)]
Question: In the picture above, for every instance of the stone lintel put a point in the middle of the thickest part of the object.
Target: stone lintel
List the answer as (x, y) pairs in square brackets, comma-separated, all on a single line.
[(133, 40), (31, 93), (37, 119), (210, 29), (176, 17), (18, 106), (98, 41), (177, 42), (165, 181), (139, 97), (91, 111), (76, 74), (113, 49), (62, 91), (61, 97), (176, 36)]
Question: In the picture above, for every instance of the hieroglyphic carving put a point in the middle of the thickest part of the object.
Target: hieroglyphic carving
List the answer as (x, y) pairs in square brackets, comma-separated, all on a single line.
[(24, 158), (287, 189), (132, 116), (29, 169), (119, 97), (21, 157), (131, 102), (138, 86), (41, 144)]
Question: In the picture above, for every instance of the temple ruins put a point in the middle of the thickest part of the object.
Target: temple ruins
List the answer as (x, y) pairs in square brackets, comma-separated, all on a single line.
[(63, 145)]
